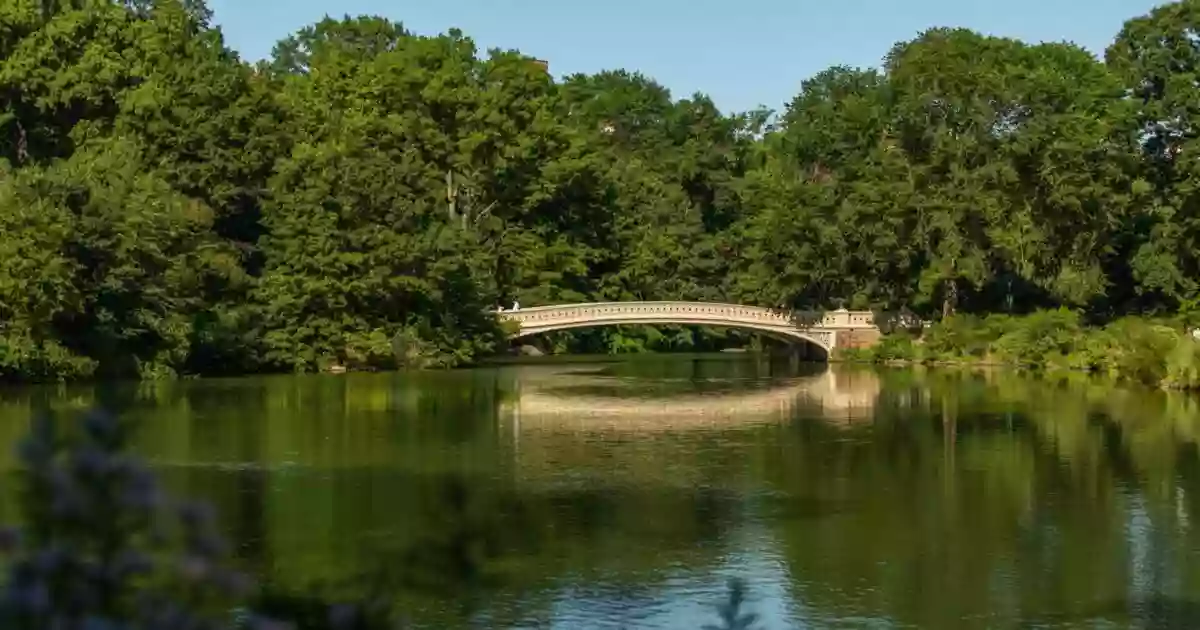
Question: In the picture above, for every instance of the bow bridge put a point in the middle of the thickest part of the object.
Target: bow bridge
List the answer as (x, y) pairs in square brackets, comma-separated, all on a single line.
[(827, 330)]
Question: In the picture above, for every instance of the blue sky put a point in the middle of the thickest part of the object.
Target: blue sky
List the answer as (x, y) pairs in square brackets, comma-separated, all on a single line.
[(742, 53)]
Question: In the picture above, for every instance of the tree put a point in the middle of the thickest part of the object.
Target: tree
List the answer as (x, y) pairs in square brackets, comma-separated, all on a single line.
[(1156, 57), (367, 195), (125, 265)]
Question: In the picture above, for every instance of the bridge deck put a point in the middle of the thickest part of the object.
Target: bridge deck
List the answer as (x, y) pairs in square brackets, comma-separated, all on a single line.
[(820, 328)]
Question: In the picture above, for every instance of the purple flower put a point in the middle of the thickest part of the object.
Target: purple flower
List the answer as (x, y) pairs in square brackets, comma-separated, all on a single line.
[(102, 427), (10, 539), (235, 583), (139, 492), (33, 452), (127, 563), (35, 598), (342, 616), (208, 544), (98, 516), (195, 515), (47, 561), (194, 568), (262, 623), (66, 505), (100, 623), (90, 462)]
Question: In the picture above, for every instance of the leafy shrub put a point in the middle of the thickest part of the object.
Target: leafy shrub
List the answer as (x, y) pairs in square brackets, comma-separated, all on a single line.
[(1141, 350), (1038, 339), (1183, 365), (895, 347), (23, 358), (1132, 349), (956, 337)]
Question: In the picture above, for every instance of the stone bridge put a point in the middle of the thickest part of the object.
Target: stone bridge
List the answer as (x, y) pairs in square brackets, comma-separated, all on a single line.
[(827, 330)]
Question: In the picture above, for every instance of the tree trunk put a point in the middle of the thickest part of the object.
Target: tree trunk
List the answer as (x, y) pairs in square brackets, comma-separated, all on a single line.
[(22, 144), (451, 196), (950, 301)]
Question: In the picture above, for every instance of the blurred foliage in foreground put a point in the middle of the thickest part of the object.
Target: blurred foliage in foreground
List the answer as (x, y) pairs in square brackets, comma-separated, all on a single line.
[(102, 547)]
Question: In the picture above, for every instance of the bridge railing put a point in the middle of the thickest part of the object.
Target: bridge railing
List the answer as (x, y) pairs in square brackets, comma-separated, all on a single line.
[(706, 310)]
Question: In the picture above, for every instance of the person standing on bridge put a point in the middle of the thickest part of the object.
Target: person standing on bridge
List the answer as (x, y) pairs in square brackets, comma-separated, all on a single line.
[(516, 305)]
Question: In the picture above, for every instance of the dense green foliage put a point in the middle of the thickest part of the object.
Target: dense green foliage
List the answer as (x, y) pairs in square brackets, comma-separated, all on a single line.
[(1135, 349), (366, 195)]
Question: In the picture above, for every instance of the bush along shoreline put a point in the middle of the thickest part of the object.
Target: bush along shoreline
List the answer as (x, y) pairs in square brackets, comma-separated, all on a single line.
[(1157, 352)]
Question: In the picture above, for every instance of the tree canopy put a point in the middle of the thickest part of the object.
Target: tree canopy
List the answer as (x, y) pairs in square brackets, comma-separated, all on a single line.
[(368, 195)]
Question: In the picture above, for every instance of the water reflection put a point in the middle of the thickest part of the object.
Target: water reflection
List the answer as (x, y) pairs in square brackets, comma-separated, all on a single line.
[(597, 399), (628, 494)]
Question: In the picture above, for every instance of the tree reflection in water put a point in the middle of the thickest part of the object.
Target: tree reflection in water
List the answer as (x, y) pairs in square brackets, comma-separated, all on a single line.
[(731, 612), (93, 552), (955, 499)]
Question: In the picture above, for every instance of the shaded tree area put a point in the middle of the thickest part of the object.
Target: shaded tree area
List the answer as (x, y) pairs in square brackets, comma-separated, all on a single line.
[(367, 195)]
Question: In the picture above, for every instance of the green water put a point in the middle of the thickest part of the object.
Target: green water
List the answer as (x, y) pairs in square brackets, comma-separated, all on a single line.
[(627, 494)]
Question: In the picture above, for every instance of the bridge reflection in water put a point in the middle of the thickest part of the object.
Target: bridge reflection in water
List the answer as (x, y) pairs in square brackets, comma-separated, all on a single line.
[(618, 433), (562, 400)]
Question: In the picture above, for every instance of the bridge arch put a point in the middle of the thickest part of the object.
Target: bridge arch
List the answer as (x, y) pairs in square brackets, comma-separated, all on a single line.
[(818, 329), (780, 335)]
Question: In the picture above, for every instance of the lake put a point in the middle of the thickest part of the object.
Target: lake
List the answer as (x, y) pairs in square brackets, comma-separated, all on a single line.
[(629, 493)]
